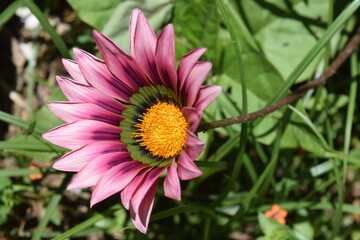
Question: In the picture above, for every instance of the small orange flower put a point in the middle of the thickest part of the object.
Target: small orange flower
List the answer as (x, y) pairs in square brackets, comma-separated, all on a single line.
[(277, 214), (35, 176)]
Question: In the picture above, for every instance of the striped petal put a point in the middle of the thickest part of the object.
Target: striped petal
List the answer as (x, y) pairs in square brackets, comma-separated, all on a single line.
[(193, 117), (187, 169), (75, 111), (207, 95), (78, 92), (91, 172), (165, 57), (77, 159), (172, 187), (132, 28), (143, 50), (142, 218), (115, 179), (187, 63), (196, 77), (119, 63), (77, 134), (98, 75), (193, 146), (140, 194), (131, 188), (73, 69)]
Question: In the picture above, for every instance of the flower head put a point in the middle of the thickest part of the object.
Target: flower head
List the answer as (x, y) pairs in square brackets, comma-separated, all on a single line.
[(132, 116), (277, 214)]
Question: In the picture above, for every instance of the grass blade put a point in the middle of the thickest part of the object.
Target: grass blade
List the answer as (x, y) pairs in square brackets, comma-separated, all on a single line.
[(314, 51), (59, 43), (9, 12)]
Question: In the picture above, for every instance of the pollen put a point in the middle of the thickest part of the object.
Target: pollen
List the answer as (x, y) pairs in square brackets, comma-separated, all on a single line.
[(162, 130)]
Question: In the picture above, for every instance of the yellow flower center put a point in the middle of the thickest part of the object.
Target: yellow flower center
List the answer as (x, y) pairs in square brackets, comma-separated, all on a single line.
[(162, 130)]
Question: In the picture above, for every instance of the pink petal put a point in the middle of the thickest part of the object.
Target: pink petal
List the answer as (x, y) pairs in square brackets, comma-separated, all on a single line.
[(119, 63), (90, 174), (196, 77), (165, 57), (78, 92), (115, 179), (75, 160), (172, 187), (193, 117), (73, 69), (193, 146), (131, 188), (98, 75), (187, 63), (77, 134), (132, 27), (74, 111), (186, 167), (141, 220), (149, 180), (143, 50), (207, 94)]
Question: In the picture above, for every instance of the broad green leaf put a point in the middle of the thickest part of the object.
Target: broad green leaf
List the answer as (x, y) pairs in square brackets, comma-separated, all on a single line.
[(32, 146), (197, 24), (286, 31), (117, 23), (93, 12), (274, 230), (44, 118), (305, 229), (4, 182)]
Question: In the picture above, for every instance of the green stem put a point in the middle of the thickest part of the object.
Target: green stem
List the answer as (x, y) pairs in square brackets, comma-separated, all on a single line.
[(59, 43)]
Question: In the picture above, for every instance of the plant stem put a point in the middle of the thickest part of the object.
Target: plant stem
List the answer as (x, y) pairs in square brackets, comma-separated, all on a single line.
[(334, 66)]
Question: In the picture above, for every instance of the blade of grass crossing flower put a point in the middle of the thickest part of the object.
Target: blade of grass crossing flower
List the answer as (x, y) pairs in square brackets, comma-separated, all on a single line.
[(339, 209), (31, 144), (9, 12), (221, 152), (24, 172), (6, 117), (182, 209), (207, 228), (339, 186), (59, 43), (310, 125), (87, 223), (50, 209), (264, 175), (239, 26), (314, 51), (225, 7), (259, 150), (351, 109), (250, 168)]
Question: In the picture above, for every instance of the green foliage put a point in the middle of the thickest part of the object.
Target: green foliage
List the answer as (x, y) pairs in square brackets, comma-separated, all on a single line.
[(305, 156)]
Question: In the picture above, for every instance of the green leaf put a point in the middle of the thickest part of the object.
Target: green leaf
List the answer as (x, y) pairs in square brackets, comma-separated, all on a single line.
[(274, 230), (93, 12), (117, 24), (9, 11), (32, 146), (305, 229), (197, 24), (4, 182), (287, 30)]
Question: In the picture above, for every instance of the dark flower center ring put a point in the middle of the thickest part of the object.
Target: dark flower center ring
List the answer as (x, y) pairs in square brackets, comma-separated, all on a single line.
[(154, 128)]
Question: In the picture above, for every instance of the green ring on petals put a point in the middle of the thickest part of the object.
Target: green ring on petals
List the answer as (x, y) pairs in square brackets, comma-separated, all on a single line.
[(139, 104)]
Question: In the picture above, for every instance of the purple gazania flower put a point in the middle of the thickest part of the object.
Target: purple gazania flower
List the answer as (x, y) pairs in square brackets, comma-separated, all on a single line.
[(131, 117)]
